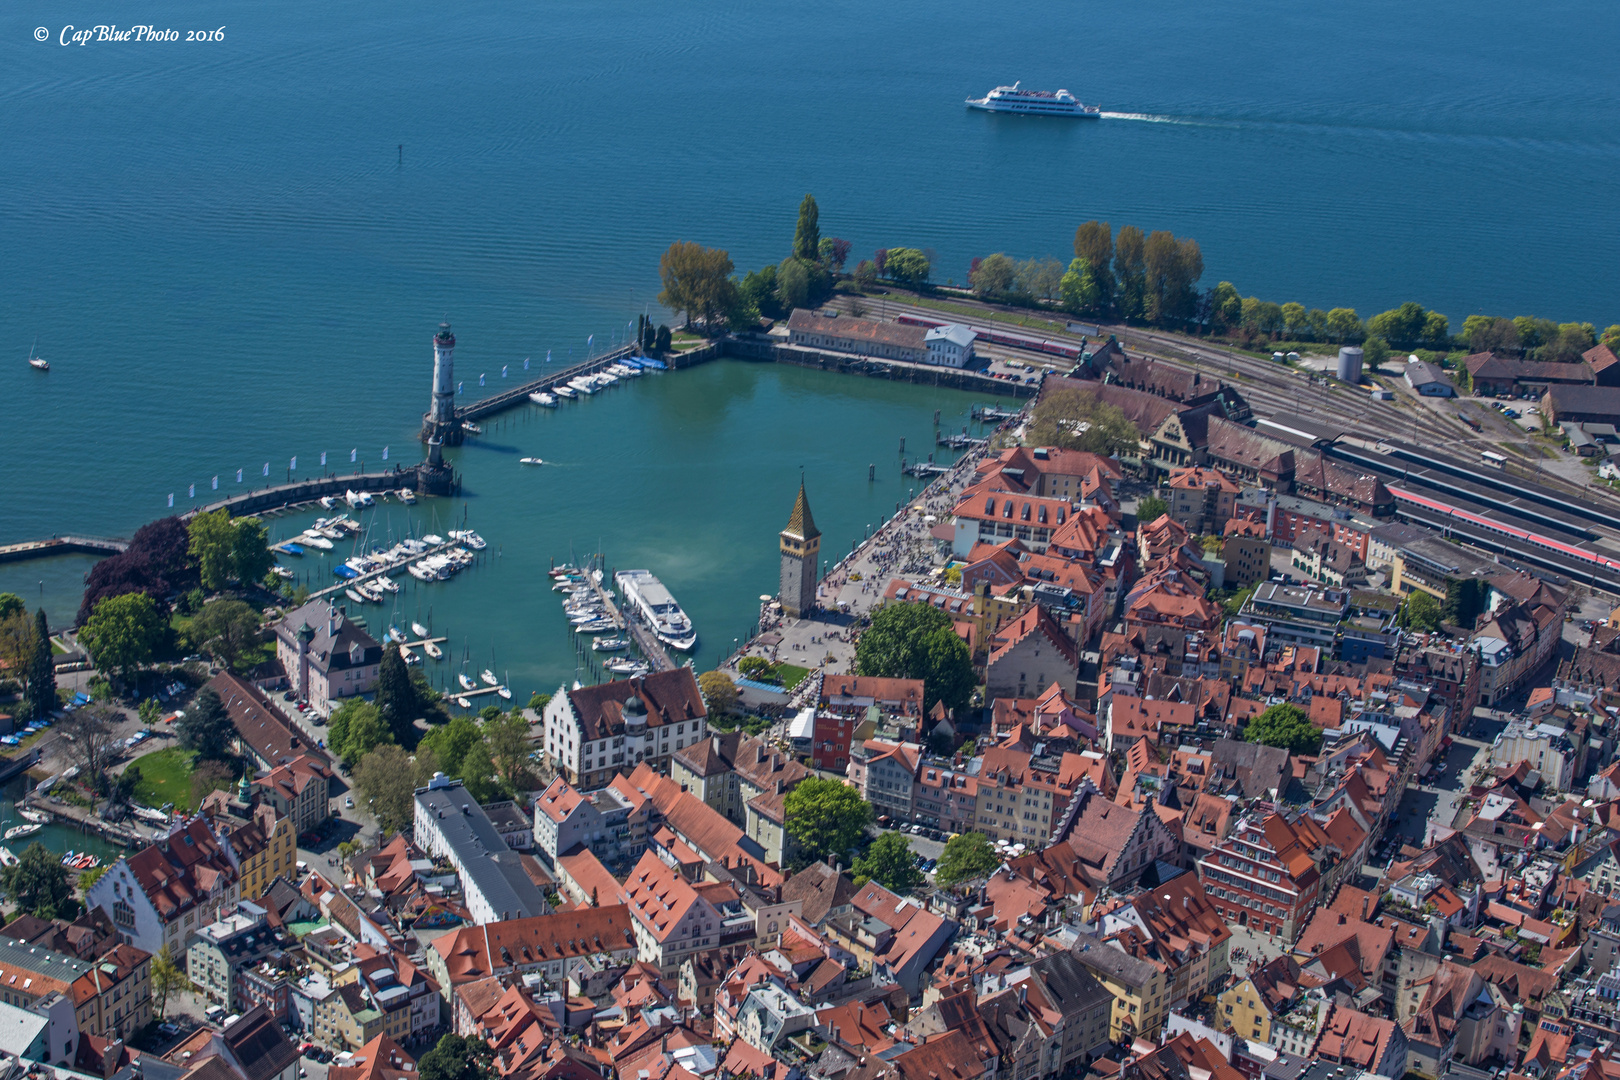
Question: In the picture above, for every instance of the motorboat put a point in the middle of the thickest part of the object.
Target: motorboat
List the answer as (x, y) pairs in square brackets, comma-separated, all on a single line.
[(407, 496), (354, 595), (530, 461), (540, 397), (599, 626), (563, 390), (345, 571), (344, 523), (17, 832), (463, 702), (471, 428), (433, 650), (395, 634), (419, 630), (591, 618), (327, 502), (433, 540), (290, 548), (282, 572), (316, 540), (466, 681), (584, 384), (387, 584), (358, 498), (412, 546), (609, 644), (410, 657), (472, 539), (562, 571), (606, 378), (626, 666), (38, 817), (489, 677), (420, 572)]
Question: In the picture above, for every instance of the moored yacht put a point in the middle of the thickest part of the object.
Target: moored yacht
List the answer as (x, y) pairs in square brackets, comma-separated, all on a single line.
[(657, 608)]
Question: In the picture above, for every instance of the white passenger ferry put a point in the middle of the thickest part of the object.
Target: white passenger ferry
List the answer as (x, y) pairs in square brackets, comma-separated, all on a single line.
[(657, 608), (1012, 99)]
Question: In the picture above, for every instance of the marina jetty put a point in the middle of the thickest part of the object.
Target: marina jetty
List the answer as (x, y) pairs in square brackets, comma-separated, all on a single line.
[(62, 545), (424, 479)]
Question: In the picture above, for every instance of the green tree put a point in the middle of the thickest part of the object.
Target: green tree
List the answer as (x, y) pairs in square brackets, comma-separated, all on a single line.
[(908, 641), (396, 696), (826, 817), (1402, 326), (1420, 612), (1130, 271), (1293, 315), (1039, 278), (1171, 267), (889, 862), (719, 692), (1570, 341), (367, 730), (124, 633), (1225, 307), (966, 857), (11, 604), (1094, 242), (1079, 290), (1317, 320), (1287, 726), (227, 628), (908, 266), (457, 1058), (1375, 350), (1489, 333), (1611, 336), (387, 778), (1079, 420), (168, 978), (807, 234), (697, 281), (1151, 508), (1437, 330), (1343, 324), (206, 728), (251, 558), (507, 737), (41, 671), (538, 701), (478, 773), (212, 547), (793, 285), (993, 276), (866, 275), (450, 743), (38, 883), (759, 288)]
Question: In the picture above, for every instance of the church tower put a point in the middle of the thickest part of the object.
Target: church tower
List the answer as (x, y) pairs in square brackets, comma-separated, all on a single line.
[(801, 548)]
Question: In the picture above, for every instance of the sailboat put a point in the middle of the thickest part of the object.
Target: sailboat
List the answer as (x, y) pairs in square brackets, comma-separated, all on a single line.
[(462, 677), (38, 363), (504, 691)]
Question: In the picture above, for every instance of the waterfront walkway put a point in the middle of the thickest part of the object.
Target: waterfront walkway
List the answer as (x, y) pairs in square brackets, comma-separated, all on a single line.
[(62, 545)]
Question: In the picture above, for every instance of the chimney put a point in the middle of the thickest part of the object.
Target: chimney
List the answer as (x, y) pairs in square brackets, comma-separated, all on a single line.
[(110, 1058)]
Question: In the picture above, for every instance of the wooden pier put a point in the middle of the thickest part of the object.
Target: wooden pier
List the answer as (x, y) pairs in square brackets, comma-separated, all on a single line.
[(651, 648), (369, 575)]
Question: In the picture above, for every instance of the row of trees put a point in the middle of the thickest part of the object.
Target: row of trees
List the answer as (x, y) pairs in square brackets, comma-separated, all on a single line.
[(25, 650), (1079, 420)]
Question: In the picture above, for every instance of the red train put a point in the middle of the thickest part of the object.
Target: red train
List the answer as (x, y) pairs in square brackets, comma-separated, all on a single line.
[(1001, 337), (1569, 550)]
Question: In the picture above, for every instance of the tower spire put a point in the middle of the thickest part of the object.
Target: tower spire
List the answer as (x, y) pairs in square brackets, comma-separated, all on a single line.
[(800, 523)]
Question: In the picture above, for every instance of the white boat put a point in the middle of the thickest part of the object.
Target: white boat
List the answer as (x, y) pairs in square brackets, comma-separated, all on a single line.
[(387, 584), (433, 650), (433, 540), (1014, 99), (627, 666), (36, 816), (606, 378), (408, 656), (489, 677), (540, 397), (657, 608), (8, 857), (354, 595), (472, 539), (419, 630), (358, 498), (530, 461), (563, 390), (504, 693), (420, 572), (316, 540), (282, 572), (584, 384), (463, 702), (466, 681), (407, 496), (395, 634), (609, 644), (17, 832), (327, 502), (471, 428), (600, 626)]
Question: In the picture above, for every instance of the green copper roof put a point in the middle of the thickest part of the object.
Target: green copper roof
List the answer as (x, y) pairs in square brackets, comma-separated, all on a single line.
[(801, 524)]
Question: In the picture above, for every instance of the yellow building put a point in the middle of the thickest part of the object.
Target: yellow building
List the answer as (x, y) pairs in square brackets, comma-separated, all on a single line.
[(266, 847), (1141, 1002)]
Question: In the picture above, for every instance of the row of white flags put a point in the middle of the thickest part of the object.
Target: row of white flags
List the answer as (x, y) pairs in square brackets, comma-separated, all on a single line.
[(292, 466)]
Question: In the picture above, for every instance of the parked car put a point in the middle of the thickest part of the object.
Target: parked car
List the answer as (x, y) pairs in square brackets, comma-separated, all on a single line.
[(348, 802)]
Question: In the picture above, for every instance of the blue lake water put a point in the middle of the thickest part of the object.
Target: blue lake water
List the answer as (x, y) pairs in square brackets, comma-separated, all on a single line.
[(230, 261)]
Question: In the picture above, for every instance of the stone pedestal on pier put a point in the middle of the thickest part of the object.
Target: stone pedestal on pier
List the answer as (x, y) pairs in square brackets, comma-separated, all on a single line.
[(437, 479)]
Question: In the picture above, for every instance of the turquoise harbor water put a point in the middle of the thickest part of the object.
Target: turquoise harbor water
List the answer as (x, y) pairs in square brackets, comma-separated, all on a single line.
[(229, 260)]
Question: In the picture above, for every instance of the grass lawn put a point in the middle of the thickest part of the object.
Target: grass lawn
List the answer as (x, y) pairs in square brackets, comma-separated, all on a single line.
[(165, 778), (791, 675), (1030, 321)]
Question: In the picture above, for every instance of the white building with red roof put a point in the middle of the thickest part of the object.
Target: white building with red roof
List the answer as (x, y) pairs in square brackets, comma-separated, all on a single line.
[(671, 920), (158, 895)]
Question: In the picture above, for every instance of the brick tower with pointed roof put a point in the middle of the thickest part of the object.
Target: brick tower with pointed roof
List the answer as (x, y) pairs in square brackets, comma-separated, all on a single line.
[(801, 547)]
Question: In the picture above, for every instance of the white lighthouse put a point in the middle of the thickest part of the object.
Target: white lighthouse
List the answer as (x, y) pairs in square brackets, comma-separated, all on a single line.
[(440, 422)]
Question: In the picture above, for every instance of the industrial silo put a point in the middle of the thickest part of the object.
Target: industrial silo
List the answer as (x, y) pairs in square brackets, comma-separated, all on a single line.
[(1350, 364)]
